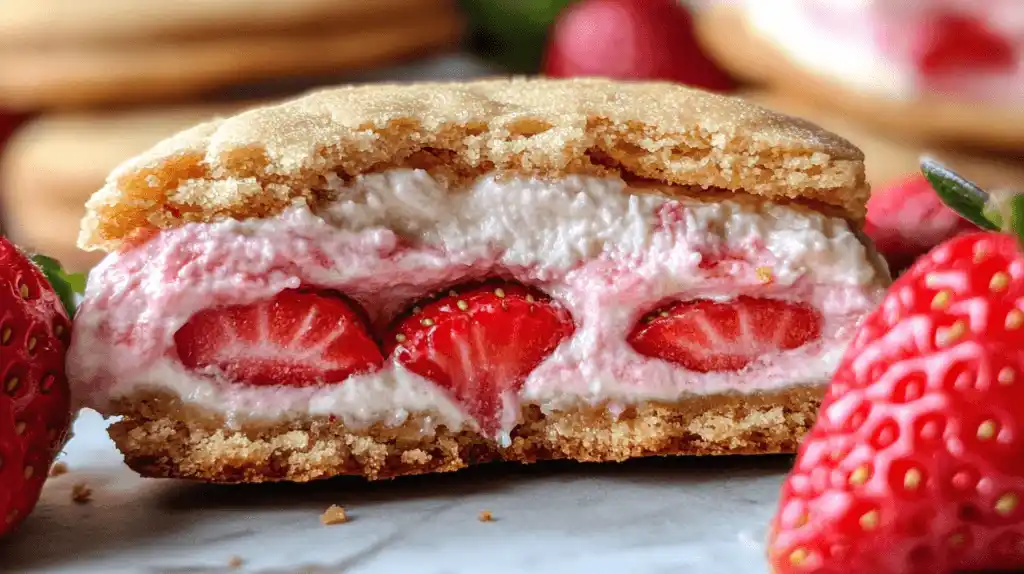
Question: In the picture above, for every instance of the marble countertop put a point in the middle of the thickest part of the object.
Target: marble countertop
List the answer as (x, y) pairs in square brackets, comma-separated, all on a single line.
[(698, 516)]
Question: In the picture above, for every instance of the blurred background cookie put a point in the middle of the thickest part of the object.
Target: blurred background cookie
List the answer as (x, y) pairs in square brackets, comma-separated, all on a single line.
[(161, 52), (58, 22), (945, 72), (56, 162)]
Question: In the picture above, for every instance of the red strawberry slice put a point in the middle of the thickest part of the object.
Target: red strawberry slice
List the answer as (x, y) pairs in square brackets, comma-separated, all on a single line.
[(480, 343), (907, 218), (632, 39), (914, 465), (298, 338), (952, 43), (706, 336)]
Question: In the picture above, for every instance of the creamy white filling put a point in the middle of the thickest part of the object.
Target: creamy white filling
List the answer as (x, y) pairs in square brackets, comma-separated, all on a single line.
[(851, 52), (606, 254)]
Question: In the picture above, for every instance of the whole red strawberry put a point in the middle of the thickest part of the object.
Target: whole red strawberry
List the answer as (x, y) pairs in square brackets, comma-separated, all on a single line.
[(631, 40), (906, 219), (34, 398), (914, 465)]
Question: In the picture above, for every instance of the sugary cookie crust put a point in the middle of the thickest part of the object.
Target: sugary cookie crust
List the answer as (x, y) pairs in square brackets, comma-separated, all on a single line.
[(258, 163), (160, 437)]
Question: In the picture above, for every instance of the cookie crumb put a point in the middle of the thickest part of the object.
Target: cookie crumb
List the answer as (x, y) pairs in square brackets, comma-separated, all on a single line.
[(333, 515), (58, 468), (485, 516), (235, 562), (81, 493)]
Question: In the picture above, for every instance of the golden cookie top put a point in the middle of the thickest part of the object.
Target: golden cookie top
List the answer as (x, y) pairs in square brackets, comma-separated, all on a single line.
[(258, 163)]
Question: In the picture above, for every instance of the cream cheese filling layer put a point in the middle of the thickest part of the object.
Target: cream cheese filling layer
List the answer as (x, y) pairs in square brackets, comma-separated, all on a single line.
[(606, 252)]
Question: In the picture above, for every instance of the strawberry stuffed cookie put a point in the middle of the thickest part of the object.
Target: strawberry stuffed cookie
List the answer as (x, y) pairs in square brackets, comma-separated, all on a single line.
[(386, 280), (946, 71)]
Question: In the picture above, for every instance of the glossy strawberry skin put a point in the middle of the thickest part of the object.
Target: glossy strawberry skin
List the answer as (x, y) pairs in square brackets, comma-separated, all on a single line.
[(707, 336), (298, 338), (479, 343), (631, 40), (34, 397), (914, 463), (951, 43), (906, 219)]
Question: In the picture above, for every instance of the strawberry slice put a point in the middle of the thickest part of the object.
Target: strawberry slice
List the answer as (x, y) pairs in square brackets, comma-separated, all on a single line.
[(706, 336), (951, 43), (479, 343), (298, 338)]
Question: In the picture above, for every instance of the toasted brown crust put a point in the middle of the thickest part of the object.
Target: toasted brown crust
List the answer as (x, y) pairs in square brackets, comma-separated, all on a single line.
[(161, 438), (260, 162)]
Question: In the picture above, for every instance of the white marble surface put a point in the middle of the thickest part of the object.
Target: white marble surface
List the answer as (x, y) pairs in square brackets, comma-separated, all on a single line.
[(698, 516)]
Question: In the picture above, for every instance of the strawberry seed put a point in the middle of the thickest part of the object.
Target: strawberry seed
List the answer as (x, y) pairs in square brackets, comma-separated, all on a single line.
[(46, 385), (869, 521), (1006, 376), (860, 476), (941, 301), (1006, 504), (912, 479), (798, 557), (1014, 320), (1000, 281), (987, 430)]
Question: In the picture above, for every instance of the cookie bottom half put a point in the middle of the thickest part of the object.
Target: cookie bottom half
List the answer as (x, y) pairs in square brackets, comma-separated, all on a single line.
[(162, 437)]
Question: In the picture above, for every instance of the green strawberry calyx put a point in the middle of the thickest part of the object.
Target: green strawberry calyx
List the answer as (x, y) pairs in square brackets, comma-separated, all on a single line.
[(66, 285), (995, 211)]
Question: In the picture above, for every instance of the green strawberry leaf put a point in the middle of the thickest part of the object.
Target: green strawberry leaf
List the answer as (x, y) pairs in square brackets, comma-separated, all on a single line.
[(960, 195), (65, 285), (1017, 217)]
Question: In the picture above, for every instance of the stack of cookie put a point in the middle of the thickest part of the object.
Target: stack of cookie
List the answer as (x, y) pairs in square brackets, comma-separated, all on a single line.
[(107, 78), (940, 77)]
